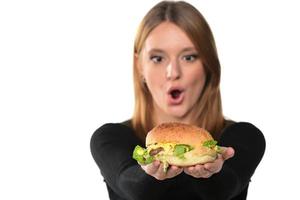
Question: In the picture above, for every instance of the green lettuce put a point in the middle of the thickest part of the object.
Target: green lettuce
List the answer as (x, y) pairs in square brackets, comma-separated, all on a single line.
[(142, 155), (213, 145), (180, 149)]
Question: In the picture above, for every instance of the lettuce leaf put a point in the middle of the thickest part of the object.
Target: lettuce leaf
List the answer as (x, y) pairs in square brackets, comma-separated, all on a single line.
[(141, 155), (213, 145), (210, 143), (180, 149)]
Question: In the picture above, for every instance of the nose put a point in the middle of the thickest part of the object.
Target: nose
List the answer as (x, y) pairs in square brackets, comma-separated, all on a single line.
[(173, 70)]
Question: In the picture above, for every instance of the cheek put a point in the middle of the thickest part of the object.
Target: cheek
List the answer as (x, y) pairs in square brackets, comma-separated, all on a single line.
[(197, 79), (154, 74), (154, 77)]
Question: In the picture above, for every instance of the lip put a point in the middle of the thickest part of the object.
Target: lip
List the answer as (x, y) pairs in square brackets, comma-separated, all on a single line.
[(171, 100)]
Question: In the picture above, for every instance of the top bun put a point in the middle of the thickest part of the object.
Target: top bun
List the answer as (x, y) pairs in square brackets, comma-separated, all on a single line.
[(178, 133)]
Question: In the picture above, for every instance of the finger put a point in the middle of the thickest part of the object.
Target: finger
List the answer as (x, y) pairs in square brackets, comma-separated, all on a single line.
[(151, 168), (174, 168), (228, 153), (174, 171), (197, 171), (160, 173), (207, 174), (189, 170), (215, 166), (200, 171)]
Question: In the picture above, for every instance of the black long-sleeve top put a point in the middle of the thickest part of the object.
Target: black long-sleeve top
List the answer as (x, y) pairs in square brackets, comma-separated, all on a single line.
[(112, 146)]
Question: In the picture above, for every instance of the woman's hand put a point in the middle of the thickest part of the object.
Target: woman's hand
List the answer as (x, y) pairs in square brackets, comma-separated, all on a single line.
[(156, 170), (208, 169)]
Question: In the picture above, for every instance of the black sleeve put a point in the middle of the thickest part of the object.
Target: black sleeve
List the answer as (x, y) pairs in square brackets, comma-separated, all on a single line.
[(112, 146), (249, 145)]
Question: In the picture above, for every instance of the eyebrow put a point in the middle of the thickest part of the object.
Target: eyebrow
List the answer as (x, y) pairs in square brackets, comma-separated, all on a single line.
[(188, 49), (157, 50)]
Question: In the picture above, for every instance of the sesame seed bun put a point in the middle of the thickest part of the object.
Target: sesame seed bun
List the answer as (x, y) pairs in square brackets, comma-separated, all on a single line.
[(179, 133)]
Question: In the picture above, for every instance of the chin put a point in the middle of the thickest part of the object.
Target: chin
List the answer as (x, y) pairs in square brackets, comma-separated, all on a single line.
[(177, 113)]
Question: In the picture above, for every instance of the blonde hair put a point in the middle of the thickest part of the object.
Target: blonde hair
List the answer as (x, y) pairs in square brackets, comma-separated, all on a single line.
[(190, 20)]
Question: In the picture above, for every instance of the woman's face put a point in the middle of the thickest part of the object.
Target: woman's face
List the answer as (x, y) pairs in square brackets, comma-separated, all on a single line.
[(173, 72)]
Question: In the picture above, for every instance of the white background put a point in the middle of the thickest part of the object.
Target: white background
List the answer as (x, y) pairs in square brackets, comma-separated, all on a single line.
[(66, 68)]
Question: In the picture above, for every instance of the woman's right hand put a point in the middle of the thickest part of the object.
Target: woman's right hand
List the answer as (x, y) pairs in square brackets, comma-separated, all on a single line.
[(156, 170)]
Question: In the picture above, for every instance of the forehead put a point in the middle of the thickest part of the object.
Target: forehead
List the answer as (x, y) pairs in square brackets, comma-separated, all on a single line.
[(168, 37)]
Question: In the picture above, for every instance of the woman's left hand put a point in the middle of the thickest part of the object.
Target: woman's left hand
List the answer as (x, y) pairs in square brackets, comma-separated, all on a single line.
[(208, 169)]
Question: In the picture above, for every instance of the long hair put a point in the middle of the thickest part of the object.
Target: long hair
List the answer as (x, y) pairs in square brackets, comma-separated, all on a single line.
[(190, 20)]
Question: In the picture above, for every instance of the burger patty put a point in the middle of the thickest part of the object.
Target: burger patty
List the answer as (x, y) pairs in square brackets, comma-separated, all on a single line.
[(153, 152)]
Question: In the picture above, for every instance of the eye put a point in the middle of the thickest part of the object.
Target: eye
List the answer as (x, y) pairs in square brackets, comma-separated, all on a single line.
[(190, 58), (156, 59)]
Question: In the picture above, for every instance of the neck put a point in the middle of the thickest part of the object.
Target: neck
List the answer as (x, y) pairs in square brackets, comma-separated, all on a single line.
[(161, 117)]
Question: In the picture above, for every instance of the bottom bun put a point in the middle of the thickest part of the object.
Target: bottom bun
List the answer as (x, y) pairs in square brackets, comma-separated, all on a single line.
[(189, 159), (174, 160)]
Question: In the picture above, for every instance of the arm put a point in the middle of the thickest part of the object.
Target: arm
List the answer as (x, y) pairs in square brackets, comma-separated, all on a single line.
[(249, 145), (112, 146)]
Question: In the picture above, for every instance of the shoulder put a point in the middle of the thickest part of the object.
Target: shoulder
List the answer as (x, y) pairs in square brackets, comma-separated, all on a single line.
[(244, 127), (113, 132), (113, 127), (243, 133)]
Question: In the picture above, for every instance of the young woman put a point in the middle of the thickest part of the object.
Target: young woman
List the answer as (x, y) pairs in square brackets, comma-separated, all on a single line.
[(176, 79)]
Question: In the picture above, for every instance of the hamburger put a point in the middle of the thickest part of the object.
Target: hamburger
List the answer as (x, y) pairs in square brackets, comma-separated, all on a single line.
[(177, 144)]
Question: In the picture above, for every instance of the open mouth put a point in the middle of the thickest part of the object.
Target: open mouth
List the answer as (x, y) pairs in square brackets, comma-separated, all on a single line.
[(175, 94)]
